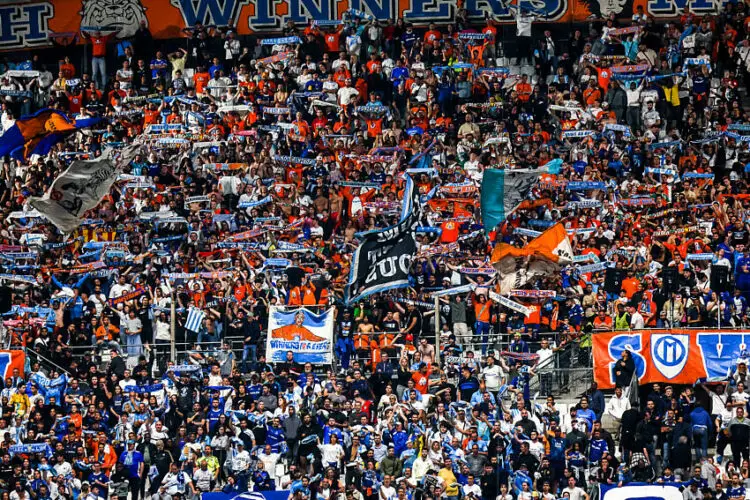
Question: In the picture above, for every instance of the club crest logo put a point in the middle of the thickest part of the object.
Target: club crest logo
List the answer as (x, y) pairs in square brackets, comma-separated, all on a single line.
[(670, 353)]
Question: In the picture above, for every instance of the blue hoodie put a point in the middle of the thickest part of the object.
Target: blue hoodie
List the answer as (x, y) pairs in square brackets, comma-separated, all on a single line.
[(699, 417)]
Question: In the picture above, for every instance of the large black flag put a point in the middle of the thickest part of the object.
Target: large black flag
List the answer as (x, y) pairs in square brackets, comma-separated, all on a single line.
[(383, 259)]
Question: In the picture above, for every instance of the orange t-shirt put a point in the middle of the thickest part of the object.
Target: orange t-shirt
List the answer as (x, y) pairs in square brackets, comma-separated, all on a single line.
[(490, 30), (68, 70), (99, 45), (308, 296), (332, 41), (201, 80), (150, 117), (294, 297), (374, 127), (630, 285), (432, 35), (482, 311), (535, 316), (450, 232), (421, 381), (599, 322), (524, 91), (592, 94), (603, 77)]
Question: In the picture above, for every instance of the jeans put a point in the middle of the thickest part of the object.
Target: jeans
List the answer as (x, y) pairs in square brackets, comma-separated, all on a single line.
[(651, 449), (482, 331), (250, 352), (633, 116), (545, 384), (666, 447), (700, 442), (344, 349), (524, 50), (135, 487), (99, 72), (740, 451)]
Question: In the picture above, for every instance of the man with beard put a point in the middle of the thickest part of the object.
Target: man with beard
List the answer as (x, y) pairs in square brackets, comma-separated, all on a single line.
[(308, 434), (527, 459), (526, 423)]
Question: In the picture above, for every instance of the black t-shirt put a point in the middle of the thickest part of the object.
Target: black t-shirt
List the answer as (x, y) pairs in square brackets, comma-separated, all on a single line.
[(294, 275), (415, 314), (185, 394), (389, 325)]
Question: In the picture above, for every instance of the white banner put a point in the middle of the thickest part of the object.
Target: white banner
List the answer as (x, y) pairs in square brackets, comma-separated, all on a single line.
[(513, 306), (81, 187), (307, 335)]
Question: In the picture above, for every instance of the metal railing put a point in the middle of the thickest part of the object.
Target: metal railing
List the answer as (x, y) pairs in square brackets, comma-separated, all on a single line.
[(42, 360), (569, 372)]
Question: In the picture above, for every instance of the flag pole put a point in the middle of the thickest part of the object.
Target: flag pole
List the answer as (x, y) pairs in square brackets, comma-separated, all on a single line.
[(437, 330), (172, 326)]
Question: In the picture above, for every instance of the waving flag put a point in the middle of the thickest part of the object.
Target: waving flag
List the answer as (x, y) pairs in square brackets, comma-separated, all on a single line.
[(81, 187), (37, 133), (48, 388), (194, 319), (542, 257), (383, 259), (503, 191)]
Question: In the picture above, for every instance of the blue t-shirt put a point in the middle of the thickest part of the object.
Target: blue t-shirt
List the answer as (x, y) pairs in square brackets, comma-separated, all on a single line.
[(736, 492), (132, 461), (597, 449)]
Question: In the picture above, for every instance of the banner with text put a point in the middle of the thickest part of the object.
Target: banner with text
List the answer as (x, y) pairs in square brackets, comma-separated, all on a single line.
[(669, 356), (36, 23), (308, 336)]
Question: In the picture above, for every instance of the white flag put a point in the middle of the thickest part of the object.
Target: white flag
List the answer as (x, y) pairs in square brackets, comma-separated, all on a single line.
[(81, 187)]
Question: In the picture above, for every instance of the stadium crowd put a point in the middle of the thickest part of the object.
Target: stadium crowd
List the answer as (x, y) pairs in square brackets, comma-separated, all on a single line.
[(263, 161)]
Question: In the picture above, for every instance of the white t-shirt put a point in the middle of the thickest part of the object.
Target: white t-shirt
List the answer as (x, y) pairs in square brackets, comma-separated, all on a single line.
[(203, 479), (241, 461), (537, 449), (161, 435), (636, 321), (331, 453), (175, 483), (269, 461), (63, 469), (740, 397), (387, 492), (492, 377), (474, 488), (575, 493), (523, 24), (545, 359), (118, 289), (347, 95), (125, 77)]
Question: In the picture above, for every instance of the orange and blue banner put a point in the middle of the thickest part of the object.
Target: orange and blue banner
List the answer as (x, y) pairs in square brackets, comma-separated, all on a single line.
[(36, 23), (307, 335), (670, 356), (10, 360), (37, 133)]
